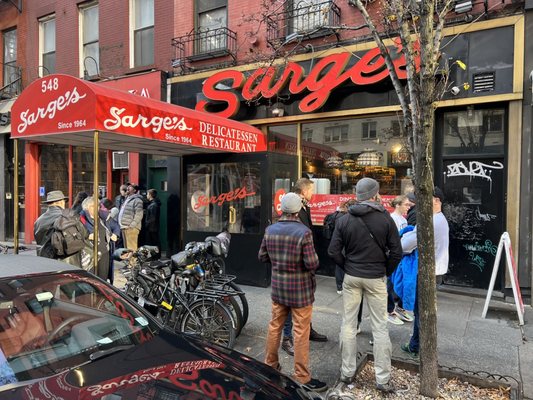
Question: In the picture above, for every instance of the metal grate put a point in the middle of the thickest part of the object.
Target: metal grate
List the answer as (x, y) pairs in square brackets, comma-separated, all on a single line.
[(120, 160), (484, 82)]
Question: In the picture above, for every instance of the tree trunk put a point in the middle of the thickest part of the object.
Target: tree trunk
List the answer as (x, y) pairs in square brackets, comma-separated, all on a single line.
[(427, 301)]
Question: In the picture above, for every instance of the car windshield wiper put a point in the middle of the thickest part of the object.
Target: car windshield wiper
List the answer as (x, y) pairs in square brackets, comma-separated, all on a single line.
[(104, 353)]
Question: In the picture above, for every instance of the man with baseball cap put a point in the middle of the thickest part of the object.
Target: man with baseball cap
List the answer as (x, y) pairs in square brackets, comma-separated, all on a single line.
[(288, 247), (366, 244), (43, 227)]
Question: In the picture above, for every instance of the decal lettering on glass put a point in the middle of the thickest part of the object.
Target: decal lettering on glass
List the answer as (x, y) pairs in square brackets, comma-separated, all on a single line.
[(237, 194)]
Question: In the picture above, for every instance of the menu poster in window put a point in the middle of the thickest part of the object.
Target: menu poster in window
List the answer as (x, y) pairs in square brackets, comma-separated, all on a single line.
[(198, 215), (324, 204)]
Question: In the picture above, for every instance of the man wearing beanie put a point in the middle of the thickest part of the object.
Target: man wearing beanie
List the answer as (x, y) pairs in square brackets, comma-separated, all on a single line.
[(288, 247), (366, 244)]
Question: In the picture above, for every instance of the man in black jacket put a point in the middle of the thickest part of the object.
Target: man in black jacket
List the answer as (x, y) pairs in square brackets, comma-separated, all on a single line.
[(366, 244), (151, 222)]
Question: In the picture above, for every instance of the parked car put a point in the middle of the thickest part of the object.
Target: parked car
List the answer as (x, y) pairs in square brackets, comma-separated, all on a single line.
[(64, 333)]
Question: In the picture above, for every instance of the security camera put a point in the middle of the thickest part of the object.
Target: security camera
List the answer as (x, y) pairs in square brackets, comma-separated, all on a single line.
[(455, 90)]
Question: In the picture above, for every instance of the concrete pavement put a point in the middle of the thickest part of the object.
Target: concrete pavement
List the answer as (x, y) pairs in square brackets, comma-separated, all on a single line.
[(465, 340), (496, 345)]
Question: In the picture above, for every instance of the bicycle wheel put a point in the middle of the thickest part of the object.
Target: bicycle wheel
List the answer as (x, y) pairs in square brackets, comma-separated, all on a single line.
[(233, 306), (243, 302), (210, 320)]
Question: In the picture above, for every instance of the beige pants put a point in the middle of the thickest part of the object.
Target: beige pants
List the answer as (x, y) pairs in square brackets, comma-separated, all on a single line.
[(130, 237)]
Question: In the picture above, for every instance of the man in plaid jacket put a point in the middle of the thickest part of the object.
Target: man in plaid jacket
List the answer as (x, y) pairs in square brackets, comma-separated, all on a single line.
[(288, 246)]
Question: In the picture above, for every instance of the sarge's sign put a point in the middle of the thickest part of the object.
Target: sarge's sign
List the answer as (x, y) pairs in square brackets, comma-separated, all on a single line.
[(329, 73), (61, 104)]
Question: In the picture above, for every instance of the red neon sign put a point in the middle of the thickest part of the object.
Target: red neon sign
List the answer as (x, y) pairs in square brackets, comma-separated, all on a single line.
[(329, 73), (237, 194)]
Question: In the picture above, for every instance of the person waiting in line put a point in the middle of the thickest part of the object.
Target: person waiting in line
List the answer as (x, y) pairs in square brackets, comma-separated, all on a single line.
[(397, 315), (151, 221), (76, 205), (288, 247), (441, 232), (109, 213), (358, 245), (304, 188), (121, 197), (90, 208), (130, 217)]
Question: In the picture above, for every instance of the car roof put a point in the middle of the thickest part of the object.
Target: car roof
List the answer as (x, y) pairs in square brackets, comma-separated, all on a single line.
[(15, 265)]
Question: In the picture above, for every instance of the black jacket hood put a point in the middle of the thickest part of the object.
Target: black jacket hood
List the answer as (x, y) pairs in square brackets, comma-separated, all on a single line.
[(364, 207)]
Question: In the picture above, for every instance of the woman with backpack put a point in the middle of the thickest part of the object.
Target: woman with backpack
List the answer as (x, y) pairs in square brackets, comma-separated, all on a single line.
[(90, 207)]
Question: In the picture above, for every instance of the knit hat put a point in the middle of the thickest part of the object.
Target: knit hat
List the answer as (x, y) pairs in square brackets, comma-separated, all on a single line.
[(291, 203), (366, 188)]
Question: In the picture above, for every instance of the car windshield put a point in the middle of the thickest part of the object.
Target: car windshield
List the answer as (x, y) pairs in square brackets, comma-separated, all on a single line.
[(53, 322)]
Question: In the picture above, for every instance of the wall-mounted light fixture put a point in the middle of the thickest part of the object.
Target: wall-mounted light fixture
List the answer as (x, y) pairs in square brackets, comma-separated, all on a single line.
[(462, 6), (278, 111)]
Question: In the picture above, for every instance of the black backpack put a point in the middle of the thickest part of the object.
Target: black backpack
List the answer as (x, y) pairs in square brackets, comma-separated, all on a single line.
[(329, 224), (68, 236)]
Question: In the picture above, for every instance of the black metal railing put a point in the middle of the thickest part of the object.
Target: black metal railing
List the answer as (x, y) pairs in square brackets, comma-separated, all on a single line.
[(302, 19), (12, 85), (203, 44)]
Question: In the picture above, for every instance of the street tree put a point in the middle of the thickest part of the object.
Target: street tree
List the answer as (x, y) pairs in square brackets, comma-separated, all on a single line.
[(418, 27)]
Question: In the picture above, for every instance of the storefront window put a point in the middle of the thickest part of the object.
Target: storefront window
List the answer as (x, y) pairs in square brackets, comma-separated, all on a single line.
[(54, 168), (282, 139), (82, 168), (224, 196), (474, 131), (342, 152)]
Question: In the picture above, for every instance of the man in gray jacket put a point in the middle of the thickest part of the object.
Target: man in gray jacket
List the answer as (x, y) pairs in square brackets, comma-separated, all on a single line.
[(366, 244), (130, 217)]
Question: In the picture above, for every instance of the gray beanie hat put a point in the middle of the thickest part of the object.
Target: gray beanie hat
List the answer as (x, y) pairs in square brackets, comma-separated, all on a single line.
[(366, 188), (291, 203)]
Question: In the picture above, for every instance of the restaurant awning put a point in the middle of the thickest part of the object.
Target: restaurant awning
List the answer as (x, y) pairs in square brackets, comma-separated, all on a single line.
[(62, 109)]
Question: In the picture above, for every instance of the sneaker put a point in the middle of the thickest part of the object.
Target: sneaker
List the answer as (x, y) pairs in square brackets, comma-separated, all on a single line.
[(339, 291), (406, 348), (385, 387), (404, 315), (346, 380), (393, 319), (316, 385)]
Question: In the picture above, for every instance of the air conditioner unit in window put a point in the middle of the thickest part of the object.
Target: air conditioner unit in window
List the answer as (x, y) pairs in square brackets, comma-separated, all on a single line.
[(120, 160)]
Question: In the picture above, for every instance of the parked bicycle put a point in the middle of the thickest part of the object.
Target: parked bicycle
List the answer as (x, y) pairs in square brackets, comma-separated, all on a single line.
[(165, 289), (6, 248)]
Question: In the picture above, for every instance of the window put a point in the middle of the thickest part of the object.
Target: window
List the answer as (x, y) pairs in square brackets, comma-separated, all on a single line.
[(224, 196), (47, 44), (212, 16), (308, 15), (143, 32), (307, 135), (10, 73), (335, 133), (395, 128), (474, 131), (90, 62), (369, 130)]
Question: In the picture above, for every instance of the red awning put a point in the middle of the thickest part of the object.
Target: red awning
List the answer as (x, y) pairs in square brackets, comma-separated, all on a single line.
[(62, 109)]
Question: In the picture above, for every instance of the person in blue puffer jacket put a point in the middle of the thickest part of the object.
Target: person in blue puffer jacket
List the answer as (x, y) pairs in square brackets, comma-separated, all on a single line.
[(404, 277)]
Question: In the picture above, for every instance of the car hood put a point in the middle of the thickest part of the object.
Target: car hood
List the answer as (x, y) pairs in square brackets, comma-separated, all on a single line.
[(170, 366)]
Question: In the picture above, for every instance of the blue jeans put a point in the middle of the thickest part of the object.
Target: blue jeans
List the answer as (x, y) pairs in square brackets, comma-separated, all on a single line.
[(287, 328), (414, 343), (339, 277)]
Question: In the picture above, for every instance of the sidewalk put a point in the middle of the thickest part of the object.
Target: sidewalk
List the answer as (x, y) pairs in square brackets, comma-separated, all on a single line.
[(465, 340)]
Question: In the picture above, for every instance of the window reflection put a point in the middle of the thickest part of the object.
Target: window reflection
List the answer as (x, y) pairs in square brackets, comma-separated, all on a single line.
[(342, 152), (474, 131), (224, 196)]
